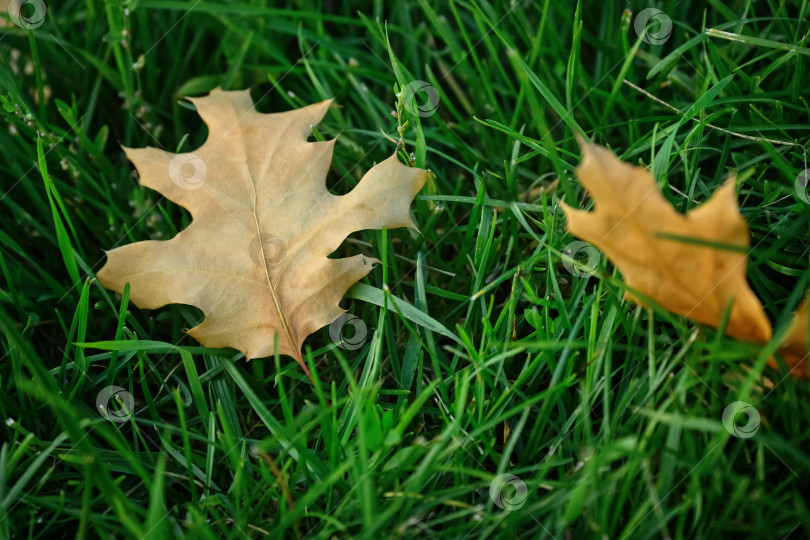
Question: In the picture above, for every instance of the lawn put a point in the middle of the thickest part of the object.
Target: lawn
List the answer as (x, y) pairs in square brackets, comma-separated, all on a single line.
[(490, 379)]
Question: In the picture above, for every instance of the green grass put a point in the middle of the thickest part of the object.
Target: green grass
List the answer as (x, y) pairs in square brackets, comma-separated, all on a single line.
[(484, 355)]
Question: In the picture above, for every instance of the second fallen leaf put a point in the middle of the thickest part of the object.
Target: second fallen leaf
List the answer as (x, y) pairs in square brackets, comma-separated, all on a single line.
[(674, 259)]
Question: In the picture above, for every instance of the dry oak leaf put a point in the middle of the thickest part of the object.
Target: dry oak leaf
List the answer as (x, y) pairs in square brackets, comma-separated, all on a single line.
[(254, 259), (794, 346), (635, 226)]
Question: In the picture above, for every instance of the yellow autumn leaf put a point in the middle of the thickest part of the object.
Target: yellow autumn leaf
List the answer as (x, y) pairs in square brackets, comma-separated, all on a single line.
[(255, 257), (665, 255), (794, 345)]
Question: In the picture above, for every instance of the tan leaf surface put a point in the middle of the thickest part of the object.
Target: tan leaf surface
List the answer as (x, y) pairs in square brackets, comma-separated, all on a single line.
[(696, 281), (254, 258), (794, 345)]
